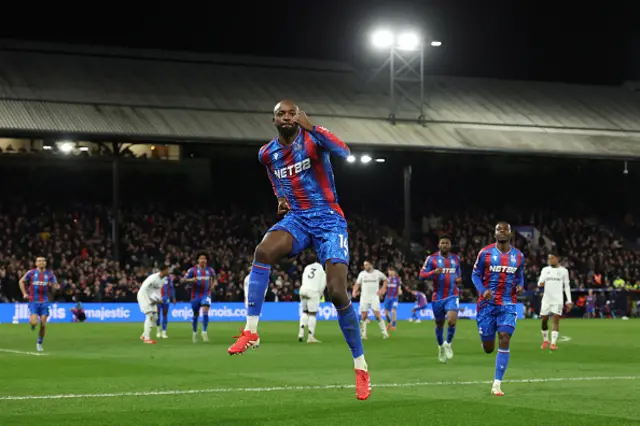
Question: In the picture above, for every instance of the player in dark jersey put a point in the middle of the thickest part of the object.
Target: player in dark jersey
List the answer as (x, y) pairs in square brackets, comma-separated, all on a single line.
[(498, 275), (40, 281), (299, 168)]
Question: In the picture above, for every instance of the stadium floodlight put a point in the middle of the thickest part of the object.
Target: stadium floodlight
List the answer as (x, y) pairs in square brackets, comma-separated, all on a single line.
[(380, 160), (382, 39), (365, 159), (436, 43), (351, 158), (66, 147), (84, 148), (409, 41), (47, 147)]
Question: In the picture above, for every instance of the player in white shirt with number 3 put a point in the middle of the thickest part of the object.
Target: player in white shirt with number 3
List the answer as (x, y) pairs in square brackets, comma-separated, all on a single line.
[(554, 279), (369, 282), (149, 296), (314, 281)]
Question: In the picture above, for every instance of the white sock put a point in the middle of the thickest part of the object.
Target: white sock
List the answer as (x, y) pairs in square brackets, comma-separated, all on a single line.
[(312, 326), (497, 382), (545, 335), (363, 326), (554, 337), (359, 363), (304, 320), (148, 326), (383, 326), (252, 323)]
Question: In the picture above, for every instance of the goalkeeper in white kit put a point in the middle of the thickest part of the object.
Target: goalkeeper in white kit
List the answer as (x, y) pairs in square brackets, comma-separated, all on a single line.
[(314, 281), (149, 296), (553, 279)]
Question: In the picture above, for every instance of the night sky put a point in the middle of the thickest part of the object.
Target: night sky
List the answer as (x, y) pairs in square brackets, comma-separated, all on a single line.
[(597, 44)]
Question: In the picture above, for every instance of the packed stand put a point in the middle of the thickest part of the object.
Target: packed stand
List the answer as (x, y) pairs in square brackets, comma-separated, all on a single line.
[(77, 241)]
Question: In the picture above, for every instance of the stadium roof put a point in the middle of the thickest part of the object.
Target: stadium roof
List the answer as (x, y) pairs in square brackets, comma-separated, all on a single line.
[(176, 95)]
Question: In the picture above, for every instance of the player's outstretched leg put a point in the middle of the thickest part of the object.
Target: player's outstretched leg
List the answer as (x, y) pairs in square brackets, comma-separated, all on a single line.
[(502, 361), (439, 330), (381, 324), (348, 321), (165, 322), (545, 332), (274, 246), (304, 322), (43, 331), (452, 320), (556, 332)]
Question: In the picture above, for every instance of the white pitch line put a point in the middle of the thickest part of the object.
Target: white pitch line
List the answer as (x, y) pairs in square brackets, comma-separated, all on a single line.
[(12, 351), (304, 388), (564, 338)]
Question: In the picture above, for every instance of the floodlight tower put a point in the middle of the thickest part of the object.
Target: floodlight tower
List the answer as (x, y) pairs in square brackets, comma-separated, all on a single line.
[(406, 68)]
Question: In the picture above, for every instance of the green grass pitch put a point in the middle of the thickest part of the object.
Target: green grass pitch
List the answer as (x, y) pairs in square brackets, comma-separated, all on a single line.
[(102, 374)]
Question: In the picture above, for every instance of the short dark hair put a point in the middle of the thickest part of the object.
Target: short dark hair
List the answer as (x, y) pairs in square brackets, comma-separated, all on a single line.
[(444, 237), (202, 254)]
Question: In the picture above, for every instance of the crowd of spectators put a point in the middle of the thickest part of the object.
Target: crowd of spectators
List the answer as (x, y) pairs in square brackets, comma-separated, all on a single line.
[(77, 241)]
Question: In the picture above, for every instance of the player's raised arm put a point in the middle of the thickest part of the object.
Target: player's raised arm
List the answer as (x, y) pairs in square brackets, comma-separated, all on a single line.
[(23, 284), (567, 287), (427, 272), (325, 138), (543, 277), (520, 274), (458, 271), (385, 284), (477, 276)]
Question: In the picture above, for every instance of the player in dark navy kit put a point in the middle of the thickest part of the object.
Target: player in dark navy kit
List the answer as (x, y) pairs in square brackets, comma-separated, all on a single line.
[(40, 282), (299, 168), (443, 268), (498, 275)]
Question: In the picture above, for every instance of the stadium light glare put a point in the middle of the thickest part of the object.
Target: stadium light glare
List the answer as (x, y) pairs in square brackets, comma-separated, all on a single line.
[(365, 159), (436, 43), (66, 147), (84, 148), (382, 39), (47, 147), (351, 159), (408, 41), (380, 160)]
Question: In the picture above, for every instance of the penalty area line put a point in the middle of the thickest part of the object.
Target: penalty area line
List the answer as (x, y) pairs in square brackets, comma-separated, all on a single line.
[(12, 351), (305, 388)]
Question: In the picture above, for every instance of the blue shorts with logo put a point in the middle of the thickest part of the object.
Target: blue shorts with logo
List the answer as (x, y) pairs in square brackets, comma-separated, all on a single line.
[(323, 228), (441, 307), (36, 308), (196, 304), (164, 306), (492, 319), (390, 303)]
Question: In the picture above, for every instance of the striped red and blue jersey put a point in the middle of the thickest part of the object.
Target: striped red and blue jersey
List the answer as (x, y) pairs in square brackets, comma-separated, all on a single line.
[(393, 287), (444, 284), (39, 282), (302, 172), (499, 272), (201, 287), (421, 299), (167, 291)]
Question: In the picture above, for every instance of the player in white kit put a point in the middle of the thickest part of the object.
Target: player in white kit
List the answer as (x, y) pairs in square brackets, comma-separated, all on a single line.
[(369, 283), (314, 281), (554, 279), (149, 296)]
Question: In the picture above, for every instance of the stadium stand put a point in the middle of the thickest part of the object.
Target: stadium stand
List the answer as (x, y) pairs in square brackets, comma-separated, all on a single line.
[(134, 93)]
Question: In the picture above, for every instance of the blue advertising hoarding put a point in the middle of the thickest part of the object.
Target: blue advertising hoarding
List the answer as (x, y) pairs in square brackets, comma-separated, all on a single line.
[(130, 312)]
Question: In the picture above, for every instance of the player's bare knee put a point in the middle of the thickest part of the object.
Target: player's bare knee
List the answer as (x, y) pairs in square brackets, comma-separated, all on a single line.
[(488, 347), (452, 322), (440, 323), (504, 339)]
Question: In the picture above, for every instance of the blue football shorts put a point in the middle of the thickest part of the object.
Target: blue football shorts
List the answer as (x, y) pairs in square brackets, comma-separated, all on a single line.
[(492, 319), (323, 228), (441, 307)]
